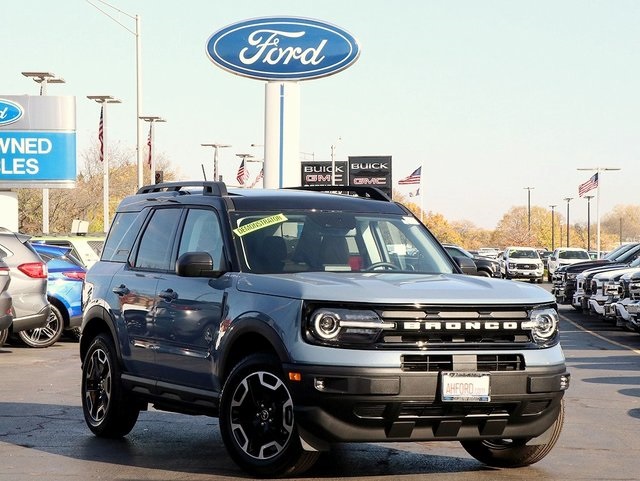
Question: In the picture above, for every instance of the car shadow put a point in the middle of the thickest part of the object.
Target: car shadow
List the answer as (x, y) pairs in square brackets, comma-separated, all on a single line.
[(172, 442)]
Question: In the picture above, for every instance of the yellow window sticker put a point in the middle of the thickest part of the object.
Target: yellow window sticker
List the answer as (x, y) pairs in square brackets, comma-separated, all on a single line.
[(259, 224)]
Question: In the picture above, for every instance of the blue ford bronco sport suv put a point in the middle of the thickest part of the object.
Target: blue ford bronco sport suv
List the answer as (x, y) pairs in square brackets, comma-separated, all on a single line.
[(301, 318)]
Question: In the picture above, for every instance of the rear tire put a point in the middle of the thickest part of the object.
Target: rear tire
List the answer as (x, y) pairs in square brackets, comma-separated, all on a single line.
[(257, 423), (48, 334), (4, 335), (514, 453), (109, 410)]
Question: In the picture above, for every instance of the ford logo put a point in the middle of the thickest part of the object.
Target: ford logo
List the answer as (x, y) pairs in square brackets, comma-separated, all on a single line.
[(10, 112), (282, 48)]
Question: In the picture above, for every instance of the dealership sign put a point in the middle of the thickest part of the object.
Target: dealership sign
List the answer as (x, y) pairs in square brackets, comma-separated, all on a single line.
[(282, 48), (37, 141)]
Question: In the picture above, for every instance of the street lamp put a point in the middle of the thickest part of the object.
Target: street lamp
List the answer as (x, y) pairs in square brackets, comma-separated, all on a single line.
[(553, 227), (568, 199), (216, 146), (44, 78), (529, 189), (588, 197), (136, 33), (598, 170), (102, 137), (152, 119)]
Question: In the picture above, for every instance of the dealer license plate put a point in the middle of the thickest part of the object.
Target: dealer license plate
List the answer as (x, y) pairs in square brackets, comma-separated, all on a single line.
[(466, 386)]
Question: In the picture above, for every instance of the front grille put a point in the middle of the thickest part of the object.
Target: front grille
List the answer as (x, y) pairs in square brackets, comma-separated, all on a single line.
[(623, 289), (426, 410), (481, 363), (458, 328), (634, 291)]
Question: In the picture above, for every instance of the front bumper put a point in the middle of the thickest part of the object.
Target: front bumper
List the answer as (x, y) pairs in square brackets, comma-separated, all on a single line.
[(340, 404), (524, 274)]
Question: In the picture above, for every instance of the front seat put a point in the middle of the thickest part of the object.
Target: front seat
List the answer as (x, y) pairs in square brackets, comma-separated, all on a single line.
[(334, 250)]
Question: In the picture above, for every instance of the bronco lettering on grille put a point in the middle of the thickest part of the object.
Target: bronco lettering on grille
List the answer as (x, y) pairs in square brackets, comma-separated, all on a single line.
[(461, 326)]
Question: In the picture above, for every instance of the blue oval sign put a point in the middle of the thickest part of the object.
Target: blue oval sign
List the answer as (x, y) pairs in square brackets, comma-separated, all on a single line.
[(282, 48), (10, 112)]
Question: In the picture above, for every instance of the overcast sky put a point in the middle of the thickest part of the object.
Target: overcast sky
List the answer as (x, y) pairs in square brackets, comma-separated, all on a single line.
[(488, 96)]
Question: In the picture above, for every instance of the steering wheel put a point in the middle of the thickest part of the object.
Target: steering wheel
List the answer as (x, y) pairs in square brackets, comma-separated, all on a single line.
[(386, 265)]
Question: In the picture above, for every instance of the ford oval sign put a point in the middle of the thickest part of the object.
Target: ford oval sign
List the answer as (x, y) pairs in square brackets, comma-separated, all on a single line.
[(10, 112), (282, 48)]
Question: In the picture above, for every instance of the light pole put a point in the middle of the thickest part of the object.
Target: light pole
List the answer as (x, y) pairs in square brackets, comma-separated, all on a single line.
[(568, 199), (588, 197), (597, 171), (333, 161), (136, 33), (152, 119), (529, 189), (44, 78), (216, 146), (553, 227), (102, 137)]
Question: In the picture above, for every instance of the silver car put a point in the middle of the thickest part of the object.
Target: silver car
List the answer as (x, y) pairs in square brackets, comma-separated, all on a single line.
[(6, 315), (28, 286)]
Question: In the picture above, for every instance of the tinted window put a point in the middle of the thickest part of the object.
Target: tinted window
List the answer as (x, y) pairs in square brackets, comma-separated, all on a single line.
[(122, 235), (156, 246), (202, 233)]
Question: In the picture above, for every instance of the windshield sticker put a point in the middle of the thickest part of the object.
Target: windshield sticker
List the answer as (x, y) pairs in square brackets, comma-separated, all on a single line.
[(410, 220), (259, 224)]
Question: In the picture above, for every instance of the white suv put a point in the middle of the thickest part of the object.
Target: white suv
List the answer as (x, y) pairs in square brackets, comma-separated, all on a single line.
[(522, 263), (563, 256)]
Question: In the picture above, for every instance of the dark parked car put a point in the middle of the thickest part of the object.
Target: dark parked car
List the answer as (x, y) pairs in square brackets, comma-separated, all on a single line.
[(485, 266), (64, 292), (28, 284), (303, 318), (6, 315)]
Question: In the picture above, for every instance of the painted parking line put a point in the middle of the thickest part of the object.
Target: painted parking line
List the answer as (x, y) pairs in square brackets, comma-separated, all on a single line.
[(599, 336)]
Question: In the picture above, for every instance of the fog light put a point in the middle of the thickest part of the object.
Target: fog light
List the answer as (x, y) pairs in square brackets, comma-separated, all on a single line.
[(564, 382)]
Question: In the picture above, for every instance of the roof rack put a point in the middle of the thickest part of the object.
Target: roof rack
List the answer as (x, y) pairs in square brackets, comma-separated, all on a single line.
[(359, 190), (218, 189)]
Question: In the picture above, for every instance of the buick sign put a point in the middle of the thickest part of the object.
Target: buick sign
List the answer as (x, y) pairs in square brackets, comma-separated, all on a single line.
[(10, 112), (282, 48)]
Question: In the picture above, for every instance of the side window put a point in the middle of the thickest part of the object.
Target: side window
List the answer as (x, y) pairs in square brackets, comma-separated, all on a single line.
[(156, 246), (202, 234), (122, 235)]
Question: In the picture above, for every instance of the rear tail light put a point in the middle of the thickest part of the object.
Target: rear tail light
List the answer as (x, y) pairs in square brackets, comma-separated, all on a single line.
[(35, 270), (75, 275)]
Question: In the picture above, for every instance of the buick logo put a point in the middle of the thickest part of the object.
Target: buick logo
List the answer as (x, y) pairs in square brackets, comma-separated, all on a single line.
[(10, 112), (282, 48)]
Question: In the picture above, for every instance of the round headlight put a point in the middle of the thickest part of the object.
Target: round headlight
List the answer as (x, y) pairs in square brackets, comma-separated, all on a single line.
[(326, 324), (543, 324)]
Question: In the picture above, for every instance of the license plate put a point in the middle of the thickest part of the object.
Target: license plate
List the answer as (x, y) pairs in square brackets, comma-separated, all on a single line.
[(466, 386)]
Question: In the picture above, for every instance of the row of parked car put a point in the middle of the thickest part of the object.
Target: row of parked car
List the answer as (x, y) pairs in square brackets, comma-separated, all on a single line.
[(607, 287), (41, 286)]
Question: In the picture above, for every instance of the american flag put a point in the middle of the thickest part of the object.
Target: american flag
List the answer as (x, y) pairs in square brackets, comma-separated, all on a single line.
[(590, 184), (243, 174), (101, 134), (414, 178), (260, 176), (149, 145)]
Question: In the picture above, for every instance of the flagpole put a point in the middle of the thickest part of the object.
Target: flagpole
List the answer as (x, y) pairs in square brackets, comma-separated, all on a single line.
[(598, 170), (421, 193)]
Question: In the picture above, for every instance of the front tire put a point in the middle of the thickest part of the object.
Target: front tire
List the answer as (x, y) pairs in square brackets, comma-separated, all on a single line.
[(108, 409), (515, 453), (4, 335), (47, 335), (257, 422)]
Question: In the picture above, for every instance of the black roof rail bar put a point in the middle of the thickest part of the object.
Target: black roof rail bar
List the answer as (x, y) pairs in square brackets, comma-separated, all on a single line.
[(218, 189), (360, 190)]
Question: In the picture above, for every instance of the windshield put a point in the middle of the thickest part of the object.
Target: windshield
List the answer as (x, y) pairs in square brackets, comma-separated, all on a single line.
[(312, 241), (573, 255), (523, 254)]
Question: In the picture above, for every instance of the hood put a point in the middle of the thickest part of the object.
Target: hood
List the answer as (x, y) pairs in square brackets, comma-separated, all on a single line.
[(389, 288), (597, 270), (615, 273), (583, 266)]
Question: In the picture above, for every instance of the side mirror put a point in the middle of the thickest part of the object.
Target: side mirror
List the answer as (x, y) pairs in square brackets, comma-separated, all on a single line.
[(466, 265), (196, 264)]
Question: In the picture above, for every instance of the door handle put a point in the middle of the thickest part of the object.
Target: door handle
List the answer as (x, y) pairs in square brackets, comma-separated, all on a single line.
[(121, 290), (168, 295)]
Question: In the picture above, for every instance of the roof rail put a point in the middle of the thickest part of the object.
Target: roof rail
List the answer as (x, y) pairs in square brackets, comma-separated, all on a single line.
[(218, 189), (359, 190)]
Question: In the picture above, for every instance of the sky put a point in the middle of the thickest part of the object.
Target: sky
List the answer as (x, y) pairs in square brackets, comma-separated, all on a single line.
[(488, 97)]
